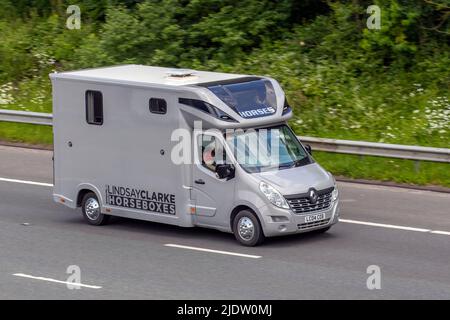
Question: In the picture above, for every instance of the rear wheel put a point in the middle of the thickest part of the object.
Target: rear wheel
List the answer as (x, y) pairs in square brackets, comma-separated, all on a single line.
[(92, 211), (247, 229)]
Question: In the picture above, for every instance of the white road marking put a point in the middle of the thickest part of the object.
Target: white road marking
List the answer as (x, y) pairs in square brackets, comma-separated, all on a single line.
[(382, 225), (213, 251), (347, 200), (392, 226), (42, 184), (446, 233), (56, 281)]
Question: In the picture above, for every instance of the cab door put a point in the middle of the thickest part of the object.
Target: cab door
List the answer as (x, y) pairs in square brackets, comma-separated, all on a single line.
[(213, 197)]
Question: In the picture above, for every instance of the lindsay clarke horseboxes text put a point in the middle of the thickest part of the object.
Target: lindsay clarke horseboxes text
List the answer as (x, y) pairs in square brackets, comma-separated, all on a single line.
[(140, 199)]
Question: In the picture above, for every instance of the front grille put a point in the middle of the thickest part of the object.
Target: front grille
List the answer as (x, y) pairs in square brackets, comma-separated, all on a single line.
[(312, 224), (301, 203)]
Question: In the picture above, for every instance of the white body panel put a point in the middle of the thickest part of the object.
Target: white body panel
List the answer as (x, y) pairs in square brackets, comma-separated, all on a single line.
[(124, 151)]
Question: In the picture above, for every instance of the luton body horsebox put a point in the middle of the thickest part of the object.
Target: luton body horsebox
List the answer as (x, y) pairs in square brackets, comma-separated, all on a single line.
[(187, 148)]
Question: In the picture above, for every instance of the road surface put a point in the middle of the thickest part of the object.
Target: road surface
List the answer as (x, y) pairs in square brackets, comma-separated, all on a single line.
[(406, 233)]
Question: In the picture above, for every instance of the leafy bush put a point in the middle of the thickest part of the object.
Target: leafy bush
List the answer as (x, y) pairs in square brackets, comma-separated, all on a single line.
[(343, 80)]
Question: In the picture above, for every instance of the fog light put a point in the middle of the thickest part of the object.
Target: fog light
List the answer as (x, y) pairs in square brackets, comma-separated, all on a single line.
[(279, 218), (282, 228)]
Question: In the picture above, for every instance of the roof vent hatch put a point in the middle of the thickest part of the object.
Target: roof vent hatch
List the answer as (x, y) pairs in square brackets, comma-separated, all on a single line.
[(180, 73)]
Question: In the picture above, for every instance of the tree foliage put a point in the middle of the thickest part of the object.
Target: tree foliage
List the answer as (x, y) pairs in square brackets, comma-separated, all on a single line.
[(344, 80)]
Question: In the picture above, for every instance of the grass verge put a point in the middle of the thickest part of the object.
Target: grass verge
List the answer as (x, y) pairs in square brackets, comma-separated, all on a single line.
[(385, 169), (27, 133)]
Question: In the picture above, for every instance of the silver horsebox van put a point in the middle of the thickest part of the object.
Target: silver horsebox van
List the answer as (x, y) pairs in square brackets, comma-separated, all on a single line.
[(188, 148)]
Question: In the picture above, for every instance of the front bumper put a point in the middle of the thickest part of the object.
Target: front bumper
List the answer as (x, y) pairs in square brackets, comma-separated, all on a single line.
[(292, 223)]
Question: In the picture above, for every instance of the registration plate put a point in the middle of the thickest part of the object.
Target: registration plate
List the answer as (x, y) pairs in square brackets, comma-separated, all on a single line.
[(314, 217)]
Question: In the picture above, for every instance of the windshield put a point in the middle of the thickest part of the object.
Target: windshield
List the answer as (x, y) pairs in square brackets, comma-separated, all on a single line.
[(266, 149), (250, 99)]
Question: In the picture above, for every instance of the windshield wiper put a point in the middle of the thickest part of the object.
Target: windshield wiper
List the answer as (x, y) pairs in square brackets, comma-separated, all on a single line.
[(301, 162), (287, 165)]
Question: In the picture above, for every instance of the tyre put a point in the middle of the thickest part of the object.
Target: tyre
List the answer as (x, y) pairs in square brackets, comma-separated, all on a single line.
[(247, 229), (92, 211)]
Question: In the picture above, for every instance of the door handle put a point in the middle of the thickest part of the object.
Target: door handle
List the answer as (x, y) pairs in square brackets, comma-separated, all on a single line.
[(199, 181)]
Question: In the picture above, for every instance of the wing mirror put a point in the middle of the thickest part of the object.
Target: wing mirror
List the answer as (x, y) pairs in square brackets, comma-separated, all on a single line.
[(225, 171), (308, 149)]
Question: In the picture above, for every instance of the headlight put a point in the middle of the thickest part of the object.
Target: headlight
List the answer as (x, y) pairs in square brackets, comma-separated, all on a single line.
[(334, 194), (273, 195)]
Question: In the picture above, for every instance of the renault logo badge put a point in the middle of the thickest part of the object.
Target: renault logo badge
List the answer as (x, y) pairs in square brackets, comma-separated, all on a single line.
[(312, 196)]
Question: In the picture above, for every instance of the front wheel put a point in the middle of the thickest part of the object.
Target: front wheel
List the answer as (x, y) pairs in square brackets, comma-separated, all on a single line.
[(91, 210), (247, 229)]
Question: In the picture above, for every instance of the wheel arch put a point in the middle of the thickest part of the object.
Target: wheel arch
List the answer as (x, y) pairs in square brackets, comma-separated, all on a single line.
[(83, 189), (240, 208)]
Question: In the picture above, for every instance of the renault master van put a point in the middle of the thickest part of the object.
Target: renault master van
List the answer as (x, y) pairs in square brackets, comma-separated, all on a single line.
[(188, 148)]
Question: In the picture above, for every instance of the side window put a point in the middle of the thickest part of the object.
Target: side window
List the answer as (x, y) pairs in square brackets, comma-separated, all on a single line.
[(158, 106), (94, 107), (211, 152)]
